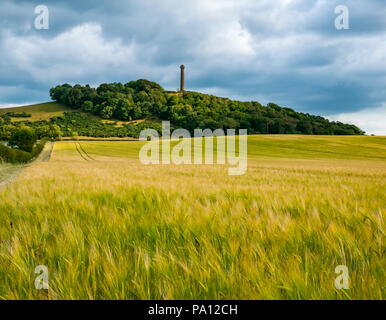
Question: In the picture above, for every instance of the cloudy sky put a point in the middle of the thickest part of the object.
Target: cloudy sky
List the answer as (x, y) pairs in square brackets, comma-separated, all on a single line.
[(285, 51)]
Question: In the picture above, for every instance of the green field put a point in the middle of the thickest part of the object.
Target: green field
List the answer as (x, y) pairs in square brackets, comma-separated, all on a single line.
[(108, 227), (42, 111)]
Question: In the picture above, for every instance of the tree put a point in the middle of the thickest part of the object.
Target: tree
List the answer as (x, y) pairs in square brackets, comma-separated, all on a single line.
[(6, 132), (304, 127), (260, 124), (42, 131), (60, 93), (107, 112), (24, 138), (75, 96), (87, 106), (277, 127), (229, 123), (54, 132)]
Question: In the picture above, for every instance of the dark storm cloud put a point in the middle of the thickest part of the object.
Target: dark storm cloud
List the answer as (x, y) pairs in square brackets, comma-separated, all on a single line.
[(284, 51)]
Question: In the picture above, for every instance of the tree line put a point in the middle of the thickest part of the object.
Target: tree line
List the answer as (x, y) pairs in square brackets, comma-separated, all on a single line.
[(22, 146)]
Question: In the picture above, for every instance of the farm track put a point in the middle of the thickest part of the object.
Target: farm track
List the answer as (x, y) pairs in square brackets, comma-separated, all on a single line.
[(14, 172), (83, 153), (45, 155), (10, 174)]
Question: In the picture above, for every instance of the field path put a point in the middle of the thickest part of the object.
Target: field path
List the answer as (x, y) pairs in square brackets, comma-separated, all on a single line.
[(45, 155), (9, 174), (83, 153)]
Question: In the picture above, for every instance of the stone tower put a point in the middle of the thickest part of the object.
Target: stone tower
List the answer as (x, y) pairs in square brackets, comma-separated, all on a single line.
[(182, 88)]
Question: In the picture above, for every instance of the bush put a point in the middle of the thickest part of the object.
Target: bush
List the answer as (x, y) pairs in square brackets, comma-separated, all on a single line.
[(38, 148), (18, 115), (13, 156), (24, 138), (19, 156), (6, 132), (87, 106)]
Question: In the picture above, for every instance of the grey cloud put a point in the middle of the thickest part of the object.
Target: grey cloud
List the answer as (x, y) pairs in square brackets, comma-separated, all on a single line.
[(286, 52)]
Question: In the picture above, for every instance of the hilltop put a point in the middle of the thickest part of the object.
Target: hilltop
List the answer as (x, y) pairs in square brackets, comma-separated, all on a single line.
[(191, 110), (123, 110)]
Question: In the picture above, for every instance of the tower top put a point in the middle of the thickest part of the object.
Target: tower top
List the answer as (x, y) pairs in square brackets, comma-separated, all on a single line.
[(182, 66)]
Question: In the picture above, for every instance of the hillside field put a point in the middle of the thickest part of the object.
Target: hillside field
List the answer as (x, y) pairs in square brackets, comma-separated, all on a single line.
[(109, 227), (38, 112), (46, 111)]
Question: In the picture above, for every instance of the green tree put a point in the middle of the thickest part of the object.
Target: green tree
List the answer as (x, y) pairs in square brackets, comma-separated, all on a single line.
[(54, 132), (107, 112), (87, 106), (42, 131), (304, 127), (24, 138), (6, 132)]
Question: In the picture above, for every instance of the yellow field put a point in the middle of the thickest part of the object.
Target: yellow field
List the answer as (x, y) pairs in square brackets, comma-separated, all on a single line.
[(108, 227)]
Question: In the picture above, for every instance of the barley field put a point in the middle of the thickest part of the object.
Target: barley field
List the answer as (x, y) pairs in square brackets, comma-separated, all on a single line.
[(109, 227)]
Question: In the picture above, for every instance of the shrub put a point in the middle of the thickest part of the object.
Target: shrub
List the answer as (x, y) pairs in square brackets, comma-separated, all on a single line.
[(24, 138), (18, 115), (38, 148), (19, 156)]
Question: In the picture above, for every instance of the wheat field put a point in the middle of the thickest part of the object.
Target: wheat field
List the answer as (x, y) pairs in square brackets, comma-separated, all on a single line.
[(109, 227)]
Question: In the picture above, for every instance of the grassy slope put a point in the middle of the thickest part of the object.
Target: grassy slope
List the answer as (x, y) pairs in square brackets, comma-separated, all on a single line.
[(109, 227), (42, 111), (48, 110)]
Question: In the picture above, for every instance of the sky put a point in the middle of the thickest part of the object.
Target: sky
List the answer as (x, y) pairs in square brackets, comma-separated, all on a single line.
[(284, 51)]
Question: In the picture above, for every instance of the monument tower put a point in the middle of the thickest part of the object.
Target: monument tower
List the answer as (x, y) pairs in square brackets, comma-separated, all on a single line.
[(182, 88)]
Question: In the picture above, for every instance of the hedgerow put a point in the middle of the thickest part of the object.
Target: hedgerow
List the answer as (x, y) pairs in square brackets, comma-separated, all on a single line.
[(12, 155)]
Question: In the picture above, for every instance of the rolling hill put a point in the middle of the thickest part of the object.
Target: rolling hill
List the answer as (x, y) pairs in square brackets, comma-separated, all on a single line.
[(117, 110), (193, 110)]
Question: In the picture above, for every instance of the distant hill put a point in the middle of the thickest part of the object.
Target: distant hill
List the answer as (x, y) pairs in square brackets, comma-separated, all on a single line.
[(191, 110), (124, 110)]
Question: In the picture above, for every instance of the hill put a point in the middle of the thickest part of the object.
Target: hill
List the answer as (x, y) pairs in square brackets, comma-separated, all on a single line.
[(191, 110), (124, 110)]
